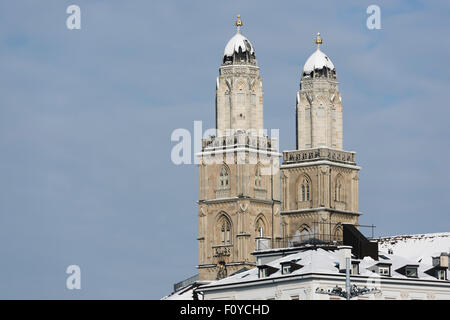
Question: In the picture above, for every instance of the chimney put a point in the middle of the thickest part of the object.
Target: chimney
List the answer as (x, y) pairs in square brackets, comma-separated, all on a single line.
[(344, 252), (444, 260)]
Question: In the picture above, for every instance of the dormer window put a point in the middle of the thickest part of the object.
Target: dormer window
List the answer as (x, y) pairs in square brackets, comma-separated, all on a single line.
[(265, 271), (441, 274), (411, 271), (355, 267), (383, 270), (438, 272), (262, 272), (288, 267)]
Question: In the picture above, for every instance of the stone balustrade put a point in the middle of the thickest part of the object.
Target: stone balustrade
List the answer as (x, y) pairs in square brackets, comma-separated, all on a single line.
[(316, 154)]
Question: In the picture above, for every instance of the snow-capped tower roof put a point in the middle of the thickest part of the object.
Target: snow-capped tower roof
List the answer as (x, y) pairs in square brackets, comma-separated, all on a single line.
[(319, 64), (239, 49)]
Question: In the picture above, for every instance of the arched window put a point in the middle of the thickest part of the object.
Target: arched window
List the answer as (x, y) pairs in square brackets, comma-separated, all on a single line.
[(225, 231), (224, 178), (337, 233), (259, 228), (258, 179), (303, 234), (305, 190)]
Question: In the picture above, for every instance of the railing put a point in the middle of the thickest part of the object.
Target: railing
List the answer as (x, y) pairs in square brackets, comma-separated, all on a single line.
[(315, 233), (184, 283), (316, 154), (239, 139)]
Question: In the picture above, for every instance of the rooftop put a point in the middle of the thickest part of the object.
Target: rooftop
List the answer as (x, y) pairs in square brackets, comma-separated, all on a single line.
[(326, 262)]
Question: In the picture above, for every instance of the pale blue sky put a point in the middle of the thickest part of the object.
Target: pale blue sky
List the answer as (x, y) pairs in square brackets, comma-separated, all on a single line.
[(86, 118)]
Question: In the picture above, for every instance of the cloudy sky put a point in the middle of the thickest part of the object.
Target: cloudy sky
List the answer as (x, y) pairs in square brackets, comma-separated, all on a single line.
[(86, 118)]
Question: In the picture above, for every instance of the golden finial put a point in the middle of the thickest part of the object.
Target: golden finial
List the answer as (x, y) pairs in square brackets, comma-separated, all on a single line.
[(318, 40), (238, 23)]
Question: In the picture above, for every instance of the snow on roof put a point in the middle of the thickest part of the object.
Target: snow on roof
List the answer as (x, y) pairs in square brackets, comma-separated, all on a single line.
[(318, 60), (322, 261), (183, 294), (238, 41), (417, 247)]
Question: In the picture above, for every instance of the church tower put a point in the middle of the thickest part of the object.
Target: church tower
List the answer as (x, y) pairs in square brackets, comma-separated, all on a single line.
[(319, 179), (239, 190)]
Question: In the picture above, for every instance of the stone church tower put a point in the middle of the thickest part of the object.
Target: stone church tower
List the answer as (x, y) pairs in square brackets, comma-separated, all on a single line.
[(319, 179), (239, 182)]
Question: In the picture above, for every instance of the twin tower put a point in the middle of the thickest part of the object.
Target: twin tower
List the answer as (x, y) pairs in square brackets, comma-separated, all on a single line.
[(247, 201)]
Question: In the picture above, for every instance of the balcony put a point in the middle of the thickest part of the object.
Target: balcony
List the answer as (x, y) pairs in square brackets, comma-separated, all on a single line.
[(317, 154), (240, 139), (319, 234)]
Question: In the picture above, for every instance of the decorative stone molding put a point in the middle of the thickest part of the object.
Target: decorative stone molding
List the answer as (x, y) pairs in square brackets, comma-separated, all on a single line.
[(323, 153), (243, 208)]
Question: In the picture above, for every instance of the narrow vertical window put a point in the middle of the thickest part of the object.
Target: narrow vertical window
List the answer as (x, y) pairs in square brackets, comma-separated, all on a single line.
[(307, 191), (223, 178), (225, 231), (259, 228), (335, 193)]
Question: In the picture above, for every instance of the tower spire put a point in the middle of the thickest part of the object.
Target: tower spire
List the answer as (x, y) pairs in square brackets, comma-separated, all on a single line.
[(238, 23), (318, 40)]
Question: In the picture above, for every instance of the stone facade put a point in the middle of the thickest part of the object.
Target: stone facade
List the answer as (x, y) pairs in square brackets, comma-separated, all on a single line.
[(239, 184), (319, 114), (239, 202), (319, 179), (243, 203), (239, 98)]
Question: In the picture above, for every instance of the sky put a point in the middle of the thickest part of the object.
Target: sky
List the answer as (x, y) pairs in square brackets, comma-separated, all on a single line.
[(86, 118)]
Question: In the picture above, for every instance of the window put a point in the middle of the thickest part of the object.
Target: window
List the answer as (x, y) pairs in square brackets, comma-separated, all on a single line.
[(260, 232), (225, 231), (304, 234), (441, 274), (259, 229), (355, 268), (223, 178), (262, 272), (286, 269), (383, 270), (305, 190), (411, 272), (338, 190), (265, 271)]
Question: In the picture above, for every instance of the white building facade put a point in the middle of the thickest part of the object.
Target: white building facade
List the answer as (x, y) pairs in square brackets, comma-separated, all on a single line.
[(303, 274)]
